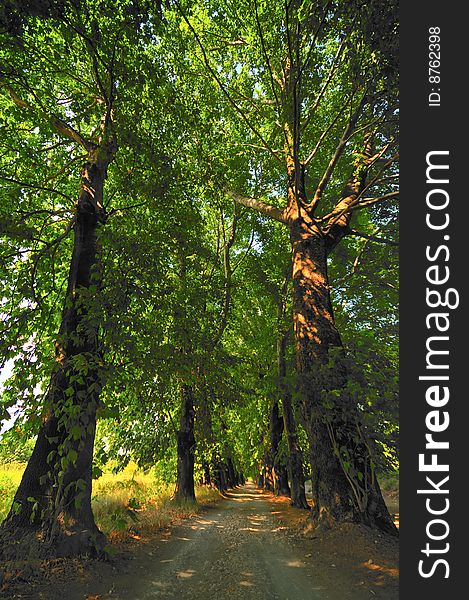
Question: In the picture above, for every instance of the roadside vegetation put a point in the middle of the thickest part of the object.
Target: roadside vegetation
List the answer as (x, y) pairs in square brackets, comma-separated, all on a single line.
[(130, 504)]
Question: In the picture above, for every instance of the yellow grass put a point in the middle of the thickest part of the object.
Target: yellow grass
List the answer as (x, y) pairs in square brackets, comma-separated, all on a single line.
[(129, 504), (10, 477)]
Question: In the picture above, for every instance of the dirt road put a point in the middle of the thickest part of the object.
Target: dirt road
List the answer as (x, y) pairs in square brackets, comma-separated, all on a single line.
[(238, 550)]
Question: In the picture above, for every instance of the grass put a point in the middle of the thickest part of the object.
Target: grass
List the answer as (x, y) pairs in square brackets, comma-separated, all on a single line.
[(130, 504), (10, 477)]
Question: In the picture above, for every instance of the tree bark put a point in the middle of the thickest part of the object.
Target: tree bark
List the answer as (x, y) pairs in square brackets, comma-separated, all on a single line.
[(222, 476), (295, 461), (53, 499), (278, 470), (343, 483), (267, 469), (185, 491), (232, 475), (260, 477), (186, 444)]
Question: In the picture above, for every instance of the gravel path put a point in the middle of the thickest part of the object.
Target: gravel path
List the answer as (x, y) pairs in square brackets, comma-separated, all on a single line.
[(236, 551), (247, 547), (240, 550)]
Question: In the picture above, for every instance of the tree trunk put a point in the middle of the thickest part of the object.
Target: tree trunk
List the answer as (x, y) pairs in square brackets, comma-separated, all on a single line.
[(281, 485), (260, 477), (206, 478), (185, 488), (223, 477), (185, 449), (229, 474), (343, 483), (218, 475), (295, 461), (268, 479), (279, 470), (53, 499)]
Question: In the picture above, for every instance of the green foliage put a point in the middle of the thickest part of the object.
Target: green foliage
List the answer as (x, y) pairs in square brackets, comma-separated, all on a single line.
[(15, 448), (197, 111)]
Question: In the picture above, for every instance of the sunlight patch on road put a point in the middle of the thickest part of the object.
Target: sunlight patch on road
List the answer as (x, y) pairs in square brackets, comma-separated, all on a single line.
[(161, 585), (280, 528), (185, 574), (381, 569), (243, 497), (295, 563)]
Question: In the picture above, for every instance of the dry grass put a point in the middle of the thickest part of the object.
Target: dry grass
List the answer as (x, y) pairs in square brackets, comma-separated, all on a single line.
[(10, 477), (130, 504)]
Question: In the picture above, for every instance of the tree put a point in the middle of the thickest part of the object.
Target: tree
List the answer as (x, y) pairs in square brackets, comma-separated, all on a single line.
[(298, 494), (68, 96), (162, 283), (329, 83)]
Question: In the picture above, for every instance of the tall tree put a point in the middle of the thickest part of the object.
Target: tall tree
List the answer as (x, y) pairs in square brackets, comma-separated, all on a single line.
[(295, 463), (68, 94), (314, 87)]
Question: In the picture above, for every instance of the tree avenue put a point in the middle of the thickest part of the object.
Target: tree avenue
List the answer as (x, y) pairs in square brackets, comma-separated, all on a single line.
[(195, 200), (343, 475)]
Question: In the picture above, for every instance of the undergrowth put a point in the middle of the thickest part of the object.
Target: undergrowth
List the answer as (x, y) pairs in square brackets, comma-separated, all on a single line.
[(126, 505)]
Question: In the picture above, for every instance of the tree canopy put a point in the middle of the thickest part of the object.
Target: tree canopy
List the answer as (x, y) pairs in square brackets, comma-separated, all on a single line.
[(198, 216)]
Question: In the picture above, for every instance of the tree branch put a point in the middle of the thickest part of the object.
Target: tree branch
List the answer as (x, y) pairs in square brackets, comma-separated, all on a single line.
[(323, 135), (35, 187), (60, 126), (228, 275), (43, 251), (262, 207), (371, 237), (376, 179), (337, 154), (356, 204), (246, 252), (313, 42), (222, 87), (266, 56), (365, 202), (330, 76)]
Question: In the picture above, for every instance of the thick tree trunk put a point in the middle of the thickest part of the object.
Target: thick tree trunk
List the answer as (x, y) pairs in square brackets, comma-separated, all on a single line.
[(218, 477), (185, 449), (281, 487), (268, 478), (232, 475), (278, 470), (343, 482), (223, 481), (260, 477), (185, 488), (53, 500), (295, 461)]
